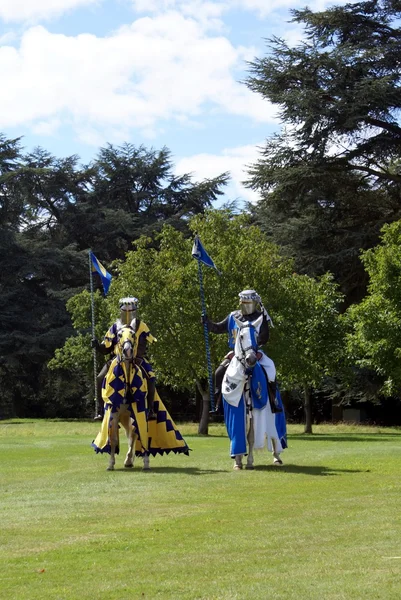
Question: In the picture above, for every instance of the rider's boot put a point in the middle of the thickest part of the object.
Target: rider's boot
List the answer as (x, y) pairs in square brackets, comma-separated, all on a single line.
[(272, 389), (151, 399), (217, 402)]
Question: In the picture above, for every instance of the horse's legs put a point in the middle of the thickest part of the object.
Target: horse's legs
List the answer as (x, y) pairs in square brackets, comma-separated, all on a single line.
[(132, 437), (238, 462), (251, 442), (276, 455), (146, 464), (113, 442)]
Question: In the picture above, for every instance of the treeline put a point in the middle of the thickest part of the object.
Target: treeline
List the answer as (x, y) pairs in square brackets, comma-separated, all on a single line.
[(329, 186), (51, 211)]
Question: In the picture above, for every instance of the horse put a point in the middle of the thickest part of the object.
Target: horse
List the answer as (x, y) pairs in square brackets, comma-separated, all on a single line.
[(248, 410), (124, 394)]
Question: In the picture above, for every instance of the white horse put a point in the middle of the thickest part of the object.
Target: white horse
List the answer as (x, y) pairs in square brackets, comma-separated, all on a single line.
[(247, 409), (124, 394)]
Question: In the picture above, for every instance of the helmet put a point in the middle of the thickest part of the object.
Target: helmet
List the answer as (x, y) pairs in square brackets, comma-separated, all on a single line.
[(128, 308), (248, 301)]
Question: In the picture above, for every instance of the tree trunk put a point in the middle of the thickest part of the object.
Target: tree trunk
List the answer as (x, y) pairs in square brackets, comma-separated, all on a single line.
[(308, 409), (203, 428)]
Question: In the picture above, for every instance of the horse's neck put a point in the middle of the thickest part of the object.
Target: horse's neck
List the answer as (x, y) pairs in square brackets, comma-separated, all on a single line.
[(236, 367), (127, 367)]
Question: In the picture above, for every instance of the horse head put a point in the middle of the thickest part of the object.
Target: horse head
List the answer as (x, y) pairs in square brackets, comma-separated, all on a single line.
[(246, 346), (126, 343)]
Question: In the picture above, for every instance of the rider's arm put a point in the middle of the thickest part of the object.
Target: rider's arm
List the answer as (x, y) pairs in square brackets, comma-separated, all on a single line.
[(104, 350), (264, 332), (221, 327), (142, 345), (108, 342), (144, 338)]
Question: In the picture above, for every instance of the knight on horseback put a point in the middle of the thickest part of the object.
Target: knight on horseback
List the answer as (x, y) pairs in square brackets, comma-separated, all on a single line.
[(246, 380), (250, 309), (130, 396), (128, 316)]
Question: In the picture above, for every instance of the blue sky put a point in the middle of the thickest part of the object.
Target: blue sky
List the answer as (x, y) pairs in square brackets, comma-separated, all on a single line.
[(77, 74)]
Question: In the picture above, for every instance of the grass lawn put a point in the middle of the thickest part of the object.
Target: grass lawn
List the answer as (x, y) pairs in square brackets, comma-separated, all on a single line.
[(326, 526)]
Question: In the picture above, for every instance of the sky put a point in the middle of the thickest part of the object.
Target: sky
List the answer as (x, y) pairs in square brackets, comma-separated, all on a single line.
[(78, 74)]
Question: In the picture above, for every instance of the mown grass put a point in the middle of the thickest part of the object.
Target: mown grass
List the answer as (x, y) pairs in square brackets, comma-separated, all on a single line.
[(325, 526)]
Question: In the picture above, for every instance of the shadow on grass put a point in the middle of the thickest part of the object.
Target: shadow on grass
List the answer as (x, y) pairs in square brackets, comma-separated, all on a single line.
[(346, 437), (170, 470), (17, 423), (318, 471), (202, 436)]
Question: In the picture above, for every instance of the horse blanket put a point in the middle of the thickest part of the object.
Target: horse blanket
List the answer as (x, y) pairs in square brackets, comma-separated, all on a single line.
[(266, 425), (124, 384)]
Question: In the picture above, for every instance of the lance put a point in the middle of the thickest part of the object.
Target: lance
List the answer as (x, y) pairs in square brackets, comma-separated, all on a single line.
[(202, 256), (93, 333), (206, 335)]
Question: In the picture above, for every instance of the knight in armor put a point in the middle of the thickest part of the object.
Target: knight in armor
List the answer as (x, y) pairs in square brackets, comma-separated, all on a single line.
[(128, 316), (250, 309)]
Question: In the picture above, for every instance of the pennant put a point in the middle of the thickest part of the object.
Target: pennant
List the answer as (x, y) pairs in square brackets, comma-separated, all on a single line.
[(104, 275), (201, 255)]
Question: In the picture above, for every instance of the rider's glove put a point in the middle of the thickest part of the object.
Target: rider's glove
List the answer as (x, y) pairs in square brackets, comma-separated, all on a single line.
[(95, 343), (204, 319)]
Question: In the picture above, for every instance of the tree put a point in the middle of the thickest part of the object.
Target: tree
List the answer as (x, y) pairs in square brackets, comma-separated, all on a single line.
[(53, 209), (311, 344), (134, 191), (331, 179), (164, 277), (166, 281), (373, 341)]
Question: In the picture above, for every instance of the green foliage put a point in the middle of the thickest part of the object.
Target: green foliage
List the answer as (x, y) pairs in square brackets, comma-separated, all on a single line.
[(166, 281), (375, 324), (73, 363), (53, 209), (306, 343), (309, 329)]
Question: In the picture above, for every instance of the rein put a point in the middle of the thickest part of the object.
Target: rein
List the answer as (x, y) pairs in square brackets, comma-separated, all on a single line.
[(242, 359)]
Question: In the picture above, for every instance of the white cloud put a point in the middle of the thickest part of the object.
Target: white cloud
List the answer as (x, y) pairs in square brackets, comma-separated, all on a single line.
[(157, 69), (28, 10), (8, 38), (235, 160), (209, 10), (46, 127)]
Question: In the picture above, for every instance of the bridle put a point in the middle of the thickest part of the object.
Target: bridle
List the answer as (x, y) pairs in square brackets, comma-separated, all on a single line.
[(242, 358), (128, 342)]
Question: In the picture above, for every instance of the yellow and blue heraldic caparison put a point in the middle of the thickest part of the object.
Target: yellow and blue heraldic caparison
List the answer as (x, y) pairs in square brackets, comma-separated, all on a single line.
[(122, 383)]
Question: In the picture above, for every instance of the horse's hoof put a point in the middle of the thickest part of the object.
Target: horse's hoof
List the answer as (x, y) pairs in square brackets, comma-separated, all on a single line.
[(277, 462), (110, 468), (129, 466), (145, 468), (237, 467), (250, 467)]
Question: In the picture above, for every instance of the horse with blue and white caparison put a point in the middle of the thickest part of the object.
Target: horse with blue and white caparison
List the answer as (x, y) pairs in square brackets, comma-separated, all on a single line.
[(253, 420)]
